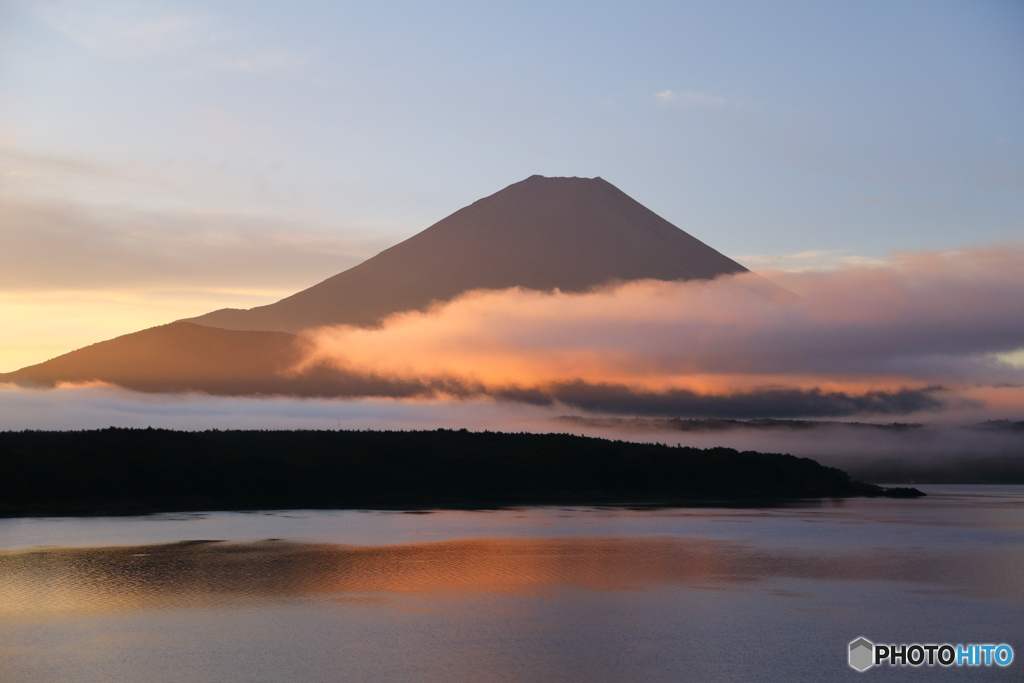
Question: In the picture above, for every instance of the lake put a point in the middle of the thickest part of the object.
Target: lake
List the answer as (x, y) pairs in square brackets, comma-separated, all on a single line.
[(536, 594)]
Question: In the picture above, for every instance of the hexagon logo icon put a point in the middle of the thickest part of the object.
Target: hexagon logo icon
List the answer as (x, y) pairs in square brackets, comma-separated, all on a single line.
[(862, 654)]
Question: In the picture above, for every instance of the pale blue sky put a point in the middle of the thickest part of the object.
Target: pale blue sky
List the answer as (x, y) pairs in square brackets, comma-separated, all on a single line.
[(253, 148)]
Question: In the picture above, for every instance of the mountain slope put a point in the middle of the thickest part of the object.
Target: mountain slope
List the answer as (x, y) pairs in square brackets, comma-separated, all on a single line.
[(540, 233), (184, 357), (175, 357)]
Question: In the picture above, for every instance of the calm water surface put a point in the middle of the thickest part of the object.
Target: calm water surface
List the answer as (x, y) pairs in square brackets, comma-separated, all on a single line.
[(539, 594)]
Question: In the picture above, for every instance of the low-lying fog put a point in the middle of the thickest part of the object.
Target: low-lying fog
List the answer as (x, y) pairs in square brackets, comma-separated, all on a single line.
[(924, 448)]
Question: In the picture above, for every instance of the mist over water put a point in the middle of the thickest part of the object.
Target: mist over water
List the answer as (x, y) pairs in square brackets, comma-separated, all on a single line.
[(937, 449), (535, 594), (937, 452)]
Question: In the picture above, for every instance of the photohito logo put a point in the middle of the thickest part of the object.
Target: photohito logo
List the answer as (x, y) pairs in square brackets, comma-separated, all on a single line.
[(864, 654)]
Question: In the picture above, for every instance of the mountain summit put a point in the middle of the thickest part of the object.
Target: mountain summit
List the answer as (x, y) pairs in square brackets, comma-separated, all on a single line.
[(540, 233)]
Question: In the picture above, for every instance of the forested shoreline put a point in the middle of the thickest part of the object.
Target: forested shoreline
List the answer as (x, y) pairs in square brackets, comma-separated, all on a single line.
[(138, 471)]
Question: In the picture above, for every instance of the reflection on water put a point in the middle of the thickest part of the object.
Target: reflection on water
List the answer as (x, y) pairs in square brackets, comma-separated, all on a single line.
[(540, 594), (198, 573)]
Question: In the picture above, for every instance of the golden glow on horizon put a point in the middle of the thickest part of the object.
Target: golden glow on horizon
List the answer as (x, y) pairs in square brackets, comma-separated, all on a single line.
[(36, 326)]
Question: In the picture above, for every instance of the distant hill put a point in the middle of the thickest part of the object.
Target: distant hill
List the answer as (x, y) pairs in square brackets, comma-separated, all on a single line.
[(540, 233)]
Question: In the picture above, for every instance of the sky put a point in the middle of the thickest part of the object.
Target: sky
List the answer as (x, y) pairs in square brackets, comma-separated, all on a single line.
[(159, 160), (162, 159)]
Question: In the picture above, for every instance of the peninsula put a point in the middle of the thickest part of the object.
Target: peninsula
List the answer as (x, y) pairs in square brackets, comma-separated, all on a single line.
[(138, 471)]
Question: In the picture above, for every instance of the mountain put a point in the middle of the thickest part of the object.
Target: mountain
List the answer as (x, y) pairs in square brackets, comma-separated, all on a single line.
[(184, 357), (173, 357), (540, 233)]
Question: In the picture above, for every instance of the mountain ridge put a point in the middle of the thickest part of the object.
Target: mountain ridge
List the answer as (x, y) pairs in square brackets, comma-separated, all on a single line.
[(541, 233)]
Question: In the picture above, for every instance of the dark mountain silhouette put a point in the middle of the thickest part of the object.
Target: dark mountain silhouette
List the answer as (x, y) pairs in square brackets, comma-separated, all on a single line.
[(540, 233)]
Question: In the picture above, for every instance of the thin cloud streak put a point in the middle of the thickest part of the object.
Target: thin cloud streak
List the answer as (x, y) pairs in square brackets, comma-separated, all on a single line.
[(808, 260), (97, 406), (751, 404), (52, 245), (132, 31), (691, 99)]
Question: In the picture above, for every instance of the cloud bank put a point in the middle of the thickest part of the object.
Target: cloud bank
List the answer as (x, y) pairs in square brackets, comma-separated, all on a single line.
[(919, 333), (923, 336)]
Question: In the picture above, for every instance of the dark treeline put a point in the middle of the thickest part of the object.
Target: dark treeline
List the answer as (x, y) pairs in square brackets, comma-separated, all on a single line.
[(720, 425), (124, 471)]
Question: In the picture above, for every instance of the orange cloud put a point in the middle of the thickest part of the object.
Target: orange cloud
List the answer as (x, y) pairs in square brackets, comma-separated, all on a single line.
[(918, 321)]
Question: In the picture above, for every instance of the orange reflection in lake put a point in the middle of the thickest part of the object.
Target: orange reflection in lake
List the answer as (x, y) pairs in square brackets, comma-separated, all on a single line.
[(197, 573)]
